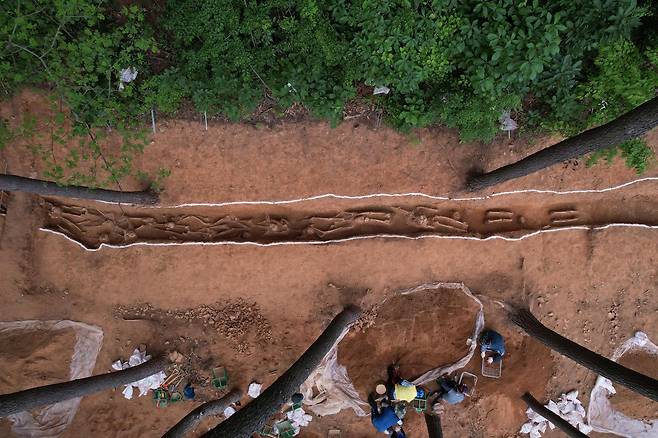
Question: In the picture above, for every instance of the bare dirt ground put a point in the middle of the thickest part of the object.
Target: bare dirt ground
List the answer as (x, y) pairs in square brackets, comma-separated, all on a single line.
[(626, 400), (178, 297)]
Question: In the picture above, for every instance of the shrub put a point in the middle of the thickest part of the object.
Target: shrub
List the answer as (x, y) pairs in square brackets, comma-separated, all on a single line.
[(476, 117), (636, 154), (79, 49), (457, 62), (621, 83)]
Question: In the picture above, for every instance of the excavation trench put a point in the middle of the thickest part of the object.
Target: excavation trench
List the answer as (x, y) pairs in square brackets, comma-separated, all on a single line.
[(331, 219)]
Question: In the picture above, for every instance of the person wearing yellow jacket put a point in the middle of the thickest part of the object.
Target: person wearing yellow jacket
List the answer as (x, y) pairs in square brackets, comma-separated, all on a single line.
[(400, 390)]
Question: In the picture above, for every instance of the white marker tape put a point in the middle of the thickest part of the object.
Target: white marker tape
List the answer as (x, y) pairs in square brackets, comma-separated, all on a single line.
[(376, 236), (394, 195), (347, 239)]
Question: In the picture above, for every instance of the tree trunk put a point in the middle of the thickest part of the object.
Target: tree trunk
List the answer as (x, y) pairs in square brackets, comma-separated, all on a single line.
[(551, 416), (617, 373), (49, 394), (631, 125), (255, 415), (433, 423), (192, 420), (13, 183)]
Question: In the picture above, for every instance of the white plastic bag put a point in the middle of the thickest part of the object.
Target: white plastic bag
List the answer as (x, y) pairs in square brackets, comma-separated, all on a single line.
[(144, 385), (50, 421), (126, 76), (568, 407), (507, 123), (254, 389)]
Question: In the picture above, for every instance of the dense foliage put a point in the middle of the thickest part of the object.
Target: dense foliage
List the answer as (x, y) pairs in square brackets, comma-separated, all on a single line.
[(560, 66), (77, 48)]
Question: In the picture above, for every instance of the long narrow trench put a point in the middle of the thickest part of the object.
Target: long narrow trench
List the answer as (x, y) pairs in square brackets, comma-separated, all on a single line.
[(323, 220)]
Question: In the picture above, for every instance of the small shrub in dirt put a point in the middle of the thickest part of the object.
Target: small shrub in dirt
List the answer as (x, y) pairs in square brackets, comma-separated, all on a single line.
[(636, 154)]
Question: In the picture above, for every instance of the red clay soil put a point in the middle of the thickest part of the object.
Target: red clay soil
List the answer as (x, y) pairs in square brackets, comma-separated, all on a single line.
[(35, 357), (429, 328), (572, 279), (416, 331), (629, 402), (238, 162), (40, 357)]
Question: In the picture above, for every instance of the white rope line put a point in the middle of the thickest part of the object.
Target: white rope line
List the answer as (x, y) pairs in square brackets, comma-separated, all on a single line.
[(347, 239), (396, 195)]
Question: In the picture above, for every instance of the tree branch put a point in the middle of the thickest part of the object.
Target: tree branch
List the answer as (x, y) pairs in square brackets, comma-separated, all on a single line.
[(49, 394), (633, 124), (14, 183), (255, 415), (192, 420), (617, 373)]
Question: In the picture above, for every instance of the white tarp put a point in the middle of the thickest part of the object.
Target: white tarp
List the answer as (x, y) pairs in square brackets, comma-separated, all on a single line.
[(600, 413), (334, 389), (50, 421)]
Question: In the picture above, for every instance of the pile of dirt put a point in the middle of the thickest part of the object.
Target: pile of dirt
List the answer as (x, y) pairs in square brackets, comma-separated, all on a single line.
[(35, 358), (234, 320), (629, 402), (419, 332)]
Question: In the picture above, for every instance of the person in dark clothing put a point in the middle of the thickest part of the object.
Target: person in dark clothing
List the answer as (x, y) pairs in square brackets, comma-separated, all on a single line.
[(384, 419), (494, 342), (450, 391), (398, 389)]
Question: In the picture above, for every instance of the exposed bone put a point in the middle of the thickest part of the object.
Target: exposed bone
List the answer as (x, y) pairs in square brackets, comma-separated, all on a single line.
[(564, 221), (562, 212), (450, 223), (496, 216), (73, 209), (563, 216)]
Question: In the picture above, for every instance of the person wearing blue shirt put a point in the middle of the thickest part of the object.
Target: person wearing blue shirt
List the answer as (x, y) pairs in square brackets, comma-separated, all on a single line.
[(450, 391), (384, 419), (494, 342)]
